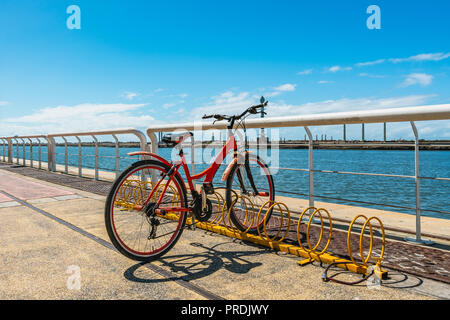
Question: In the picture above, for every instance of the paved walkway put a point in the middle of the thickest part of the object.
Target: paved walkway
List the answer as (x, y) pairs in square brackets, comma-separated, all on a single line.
[(50, 234)]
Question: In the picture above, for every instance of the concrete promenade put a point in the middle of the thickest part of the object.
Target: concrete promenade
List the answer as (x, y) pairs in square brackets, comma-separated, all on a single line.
[(48, 230)]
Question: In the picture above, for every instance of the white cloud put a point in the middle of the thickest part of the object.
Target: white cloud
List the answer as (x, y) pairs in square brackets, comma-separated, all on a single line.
[(422, 79), (343, 105), (370, 63), (168, 105), (324, 81), (369, 75), (233, 103), (286, 87), (305, 72), (423, 57), (339, 68), (3, 103), (226, 103), (82, 117), (129, 95)]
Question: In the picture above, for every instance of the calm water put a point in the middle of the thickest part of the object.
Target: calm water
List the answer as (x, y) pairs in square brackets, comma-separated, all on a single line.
[(435, 195)]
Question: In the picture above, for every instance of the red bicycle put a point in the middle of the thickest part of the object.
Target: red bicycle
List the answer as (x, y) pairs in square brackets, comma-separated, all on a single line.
[(147, 207)]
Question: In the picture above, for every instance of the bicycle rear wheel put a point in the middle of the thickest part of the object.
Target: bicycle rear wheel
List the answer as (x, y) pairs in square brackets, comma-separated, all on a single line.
[(241, 184), (137, 234)]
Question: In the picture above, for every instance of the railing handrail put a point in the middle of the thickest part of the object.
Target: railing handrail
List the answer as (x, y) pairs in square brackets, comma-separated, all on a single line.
[(141, 136), (416, 113), (26, 137), (98, 133)]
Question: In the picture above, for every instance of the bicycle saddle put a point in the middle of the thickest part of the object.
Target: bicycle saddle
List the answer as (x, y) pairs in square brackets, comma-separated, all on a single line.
[(177, 138)]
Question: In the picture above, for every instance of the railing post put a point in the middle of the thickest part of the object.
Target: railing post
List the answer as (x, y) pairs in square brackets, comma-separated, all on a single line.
[(363, 138), (51, 153), (96, 156), (23, 152), (117, 155), (66, 156), (80, 159), (10, 150), (310, 167), (4, 151), (154, 149), (192, 155), (39, 153), (418, 238), (31, 152), (17, 151)]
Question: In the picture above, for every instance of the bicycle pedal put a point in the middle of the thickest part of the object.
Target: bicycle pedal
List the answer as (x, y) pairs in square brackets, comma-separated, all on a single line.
[(208, 188)]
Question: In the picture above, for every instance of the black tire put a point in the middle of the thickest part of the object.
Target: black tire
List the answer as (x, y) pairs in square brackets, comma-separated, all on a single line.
[(230, 193), (110, 215)]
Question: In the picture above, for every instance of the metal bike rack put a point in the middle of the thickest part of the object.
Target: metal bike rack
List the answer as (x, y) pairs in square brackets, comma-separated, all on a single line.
[(218, 224)]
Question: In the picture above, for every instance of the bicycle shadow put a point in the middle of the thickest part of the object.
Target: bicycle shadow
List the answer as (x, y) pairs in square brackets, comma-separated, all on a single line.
[(194, 266)]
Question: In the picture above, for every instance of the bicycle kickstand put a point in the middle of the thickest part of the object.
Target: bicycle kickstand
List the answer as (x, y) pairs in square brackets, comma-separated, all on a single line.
[(191, 226)]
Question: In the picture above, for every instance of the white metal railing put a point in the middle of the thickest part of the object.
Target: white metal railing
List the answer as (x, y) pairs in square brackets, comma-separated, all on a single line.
[(9, 145), (51, 147), (409, 114), (93, 135)]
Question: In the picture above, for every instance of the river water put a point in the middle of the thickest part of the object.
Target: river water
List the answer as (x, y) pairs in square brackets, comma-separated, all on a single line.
[(435, 195)]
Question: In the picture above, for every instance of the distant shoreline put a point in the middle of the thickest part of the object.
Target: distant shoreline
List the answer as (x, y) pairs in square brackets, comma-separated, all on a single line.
[(436, 145)]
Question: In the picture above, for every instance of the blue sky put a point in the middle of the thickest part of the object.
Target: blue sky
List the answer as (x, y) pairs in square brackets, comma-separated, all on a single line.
[(137, 63)]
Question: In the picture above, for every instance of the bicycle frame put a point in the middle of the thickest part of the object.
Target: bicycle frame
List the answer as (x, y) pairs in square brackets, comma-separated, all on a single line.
[(208, 173)]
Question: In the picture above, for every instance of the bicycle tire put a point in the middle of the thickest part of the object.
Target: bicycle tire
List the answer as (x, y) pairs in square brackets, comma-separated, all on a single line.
[(229, 194), (109, 212)]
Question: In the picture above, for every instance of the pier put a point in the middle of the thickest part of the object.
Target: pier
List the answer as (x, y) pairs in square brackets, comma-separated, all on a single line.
[(53, 223)]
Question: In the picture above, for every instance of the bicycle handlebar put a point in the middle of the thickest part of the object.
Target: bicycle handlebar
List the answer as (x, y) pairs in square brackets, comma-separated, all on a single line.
[(252, 110)]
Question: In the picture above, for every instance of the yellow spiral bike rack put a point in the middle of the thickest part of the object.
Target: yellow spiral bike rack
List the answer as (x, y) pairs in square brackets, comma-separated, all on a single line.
[(257, 216), (221, 224), (364, 260), (313, 250), (135, 192), (282, 209)]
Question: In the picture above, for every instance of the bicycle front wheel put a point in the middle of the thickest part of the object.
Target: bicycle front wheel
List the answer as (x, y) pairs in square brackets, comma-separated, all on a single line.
[(141, 235), (249, 187)]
